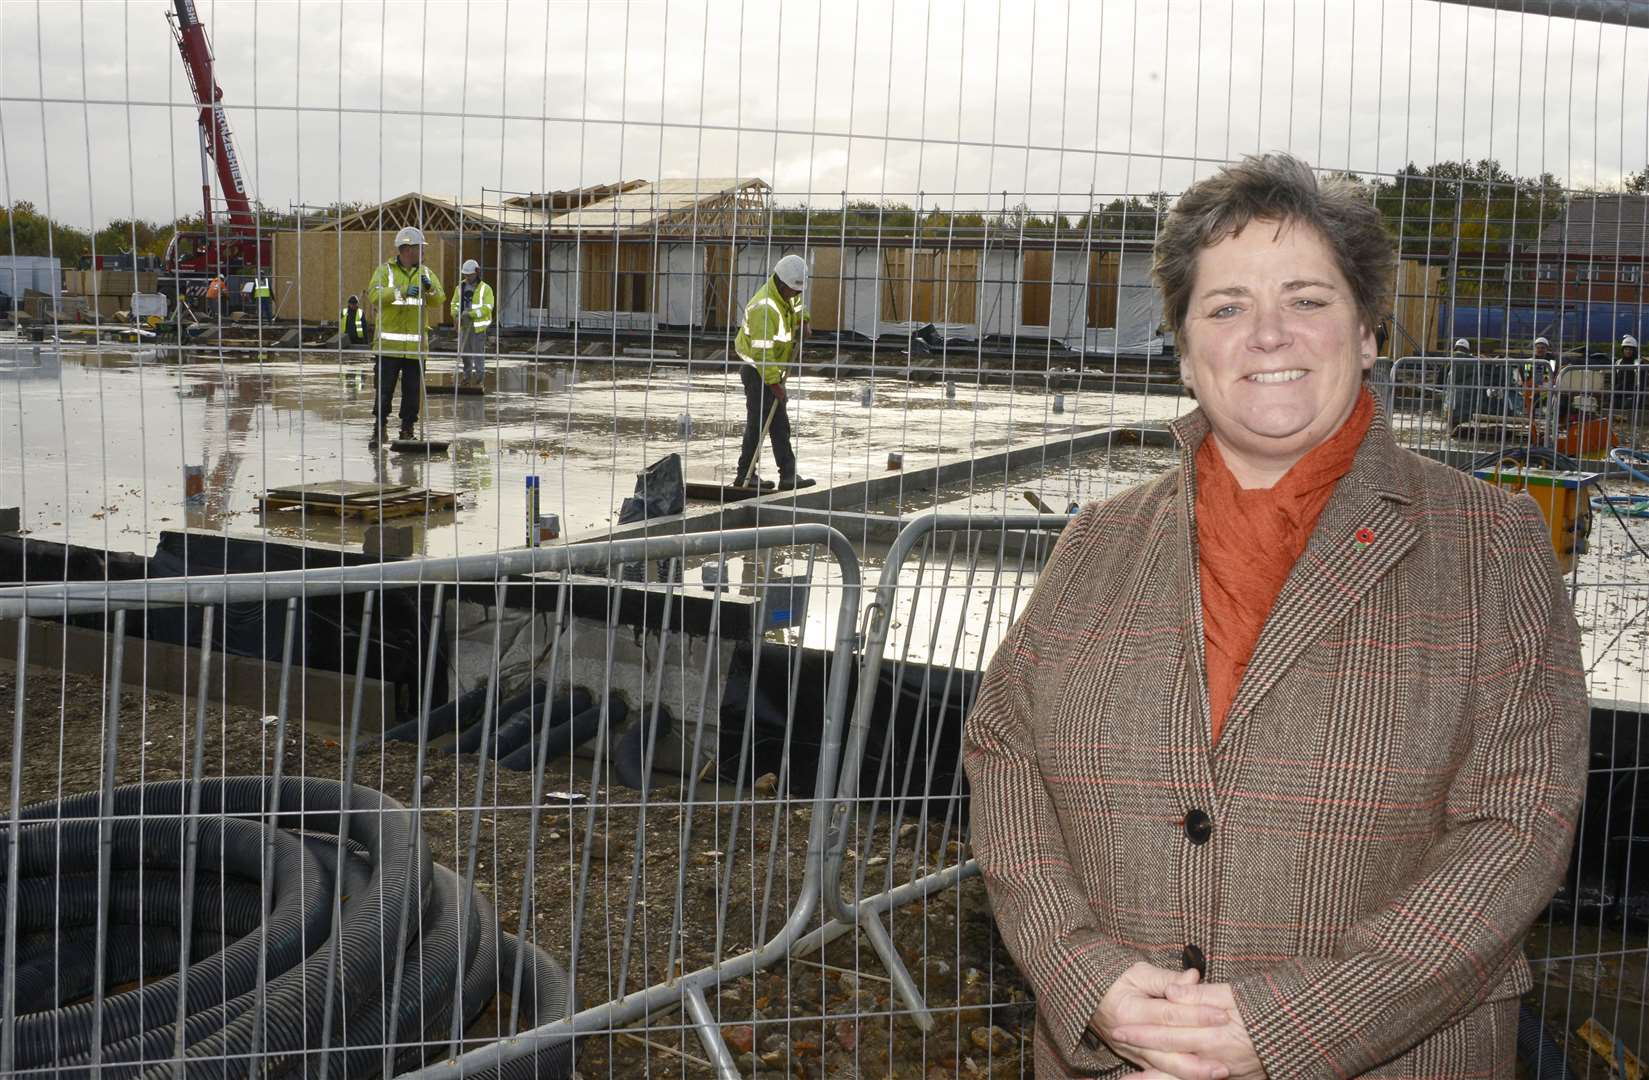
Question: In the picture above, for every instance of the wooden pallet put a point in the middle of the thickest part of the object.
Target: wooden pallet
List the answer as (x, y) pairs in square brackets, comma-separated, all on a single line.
[(359, 498)]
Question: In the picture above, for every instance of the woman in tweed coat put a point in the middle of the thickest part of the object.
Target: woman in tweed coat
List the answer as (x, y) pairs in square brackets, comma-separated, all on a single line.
[(1340, 884)]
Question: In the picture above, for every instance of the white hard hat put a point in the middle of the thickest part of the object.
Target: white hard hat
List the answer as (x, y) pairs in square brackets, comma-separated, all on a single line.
[(1628, 339), (1462, 343), (409, 235), (792, 271), (1541, 341), (470, 267)]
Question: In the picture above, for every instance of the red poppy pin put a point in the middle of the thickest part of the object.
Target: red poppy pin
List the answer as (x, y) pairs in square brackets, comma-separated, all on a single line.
[(1364, 536)]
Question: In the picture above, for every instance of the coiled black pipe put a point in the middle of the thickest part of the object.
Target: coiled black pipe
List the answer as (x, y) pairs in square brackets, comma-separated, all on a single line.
[(564, 737), (518, 730), (452, 944), (1536, 1049), (454, 715), (529, 701)]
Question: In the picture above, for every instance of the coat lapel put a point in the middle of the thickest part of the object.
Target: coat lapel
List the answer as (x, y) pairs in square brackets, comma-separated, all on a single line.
[(1361, 535)]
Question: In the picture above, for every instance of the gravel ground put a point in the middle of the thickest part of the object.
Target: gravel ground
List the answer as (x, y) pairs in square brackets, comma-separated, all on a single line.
[(802, 1019)]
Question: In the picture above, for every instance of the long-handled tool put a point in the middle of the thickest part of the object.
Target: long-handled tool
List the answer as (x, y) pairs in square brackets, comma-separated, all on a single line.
[(422, 444), (1036, 500), (749, 478)]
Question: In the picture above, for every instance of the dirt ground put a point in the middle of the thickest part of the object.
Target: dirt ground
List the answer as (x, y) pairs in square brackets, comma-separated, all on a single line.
[(803, 1019)]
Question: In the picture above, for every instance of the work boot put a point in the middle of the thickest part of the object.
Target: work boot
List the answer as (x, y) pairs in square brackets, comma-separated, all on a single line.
[(407, 435), (789, 483), (377, 437)]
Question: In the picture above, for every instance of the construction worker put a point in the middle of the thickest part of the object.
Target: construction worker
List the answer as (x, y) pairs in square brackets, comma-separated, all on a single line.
[(400, 289), (214, 295), (472, 311), (1629, 385), (1534, 375), (352, 324), (767, 346), (265, 298)]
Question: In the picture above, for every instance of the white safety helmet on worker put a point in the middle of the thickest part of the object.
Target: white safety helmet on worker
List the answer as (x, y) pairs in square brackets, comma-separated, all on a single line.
[(1542, 341), (470, 267), (792, 272), (1628, 341), (1462, 344), (409, 235)]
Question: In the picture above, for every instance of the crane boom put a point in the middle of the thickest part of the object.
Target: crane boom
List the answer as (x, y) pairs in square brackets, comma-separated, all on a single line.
[(231, 242), (216, 138)]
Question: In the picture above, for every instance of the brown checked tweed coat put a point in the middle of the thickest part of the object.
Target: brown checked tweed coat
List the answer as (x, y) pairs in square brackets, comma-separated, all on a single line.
[(1391, 804)]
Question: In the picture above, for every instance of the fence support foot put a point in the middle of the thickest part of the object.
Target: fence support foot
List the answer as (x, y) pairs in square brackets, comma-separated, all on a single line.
[(903, 984), (698, 1010)]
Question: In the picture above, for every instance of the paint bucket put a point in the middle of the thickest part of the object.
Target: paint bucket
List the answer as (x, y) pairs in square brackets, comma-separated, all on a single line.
[(194, 483), (714, 575), (549, 528), (895, 460)]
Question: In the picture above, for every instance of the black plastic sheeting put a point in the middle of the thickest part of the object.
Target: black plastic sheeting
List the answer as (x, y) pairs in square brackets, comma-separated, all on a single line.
[(660, 492), (913, 720), (328, 630)]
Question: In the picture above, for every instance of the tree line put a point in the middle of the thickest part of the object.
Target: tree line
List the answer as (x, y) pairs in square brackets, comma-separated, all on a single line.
[(1478, 208)]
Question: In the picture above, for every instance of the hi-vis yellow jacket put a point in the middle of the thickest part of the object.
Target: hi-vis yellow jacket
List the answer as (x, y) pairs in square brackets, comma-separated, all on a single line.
[(480, 310), (401, 296), (771, 330)]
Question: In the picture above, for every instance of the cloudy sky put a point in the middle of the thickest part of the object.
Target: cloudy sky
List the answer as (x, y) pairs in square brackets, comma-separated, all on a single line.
[(942, 99)]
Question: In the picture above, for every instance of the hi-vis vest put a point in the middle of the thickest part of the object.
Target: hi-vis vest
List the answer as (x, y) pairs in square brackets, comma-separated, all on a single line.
[(771, 326), (261, 289), (479, 312), (352, 333), (401, 317)]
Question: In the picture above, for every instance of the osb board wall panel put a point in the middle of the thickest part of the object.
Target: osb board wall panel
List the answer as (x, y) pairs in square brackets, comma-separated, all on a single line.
[(718, 286), (1103, 290), (333, 266), (1036, 288), (1419, 291), (930, 286), (616, 278), (824, 289)]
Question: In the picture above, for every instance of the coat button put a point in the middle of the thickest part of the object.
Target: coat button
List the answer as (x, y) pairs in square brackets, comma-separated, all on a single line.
[(1198, 826), (1192, 959)]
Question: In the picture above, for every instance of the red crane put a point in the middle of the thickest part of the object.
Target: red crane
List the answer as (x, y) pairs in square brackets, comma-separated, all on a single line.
[(229, 243)]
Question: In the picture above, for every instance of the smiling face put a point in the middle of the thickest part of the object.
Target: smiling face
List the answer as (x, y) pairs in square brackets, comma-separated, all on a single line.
[(1274, 347)]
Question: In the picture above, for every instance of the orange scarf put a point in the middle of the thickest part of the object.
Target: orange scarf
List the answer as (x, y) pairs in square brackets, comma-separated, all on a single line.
[(1249, 540)]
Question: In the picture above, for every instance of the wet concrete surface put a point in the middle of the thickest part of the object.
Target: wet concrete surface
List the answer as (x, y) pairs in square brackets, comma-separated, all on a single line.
[(96, 442)]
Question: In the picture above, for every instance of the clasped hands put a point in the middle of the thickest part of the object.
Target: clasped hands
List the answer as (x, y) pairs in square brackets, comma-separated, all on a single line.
[(1174, 1027)]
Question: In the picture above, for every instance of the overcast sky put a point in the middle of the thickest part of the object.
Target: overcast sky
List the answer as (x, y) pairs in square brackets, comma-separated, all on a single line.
[(1043, 100)]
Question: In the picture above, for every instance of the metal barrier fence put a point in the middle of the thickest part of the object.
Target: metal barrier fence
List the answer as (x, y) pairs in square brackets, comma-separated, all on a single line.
[(899, 782), (683, 985)]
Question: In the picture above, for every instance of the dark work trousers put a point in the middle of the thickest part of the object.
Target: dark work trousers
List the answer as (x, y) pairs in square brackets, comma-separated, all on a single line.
[(410, 373), (758, 398)]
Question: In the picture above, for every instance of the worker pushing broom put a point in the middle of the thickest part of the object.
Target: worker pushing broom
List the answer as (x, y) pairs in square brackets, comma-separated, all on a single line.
[(768, 346), (402, 290)]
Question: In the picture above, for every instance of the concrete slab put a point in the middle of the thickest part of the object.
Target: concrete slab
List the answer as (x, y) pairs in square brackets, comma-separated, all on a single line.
[(104, 440)]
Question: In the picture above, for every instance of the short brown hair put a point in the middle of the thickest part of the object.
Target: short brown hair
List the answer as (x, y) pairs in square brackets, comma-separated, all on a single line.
[(1280, 188)]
